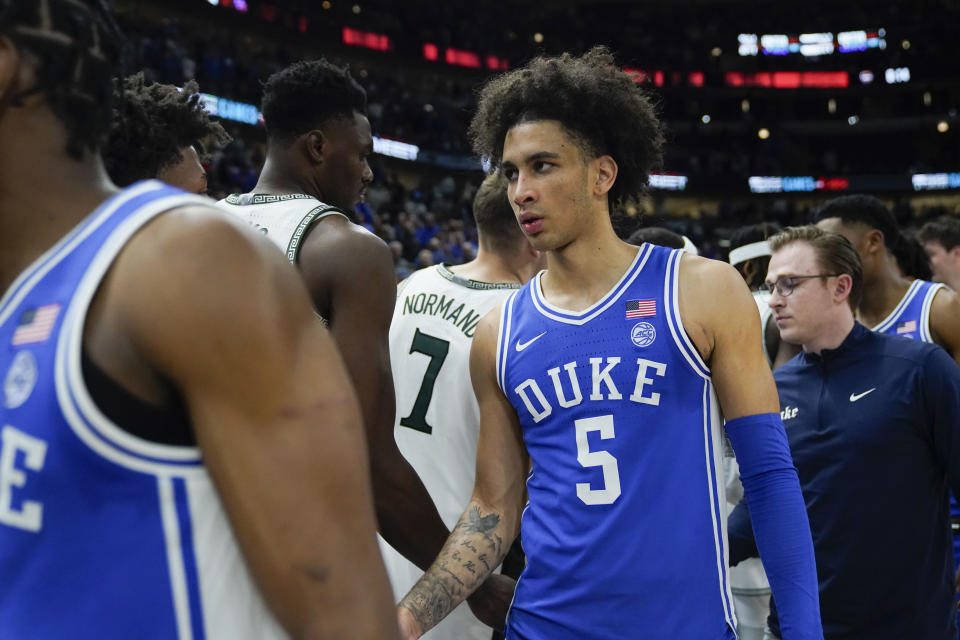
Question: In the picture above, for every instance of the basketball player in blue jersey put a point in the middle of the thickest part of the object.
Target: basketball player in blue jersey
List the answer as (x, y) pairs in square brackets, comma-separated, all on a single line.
[(316, 171), (158, 131), (891, 303), (180, 454), (601, 384)]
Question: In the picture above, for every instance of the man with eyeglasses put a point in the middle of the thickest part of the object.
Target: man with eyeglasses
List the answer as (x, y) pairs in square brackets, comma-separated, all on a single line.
[(873, 422)]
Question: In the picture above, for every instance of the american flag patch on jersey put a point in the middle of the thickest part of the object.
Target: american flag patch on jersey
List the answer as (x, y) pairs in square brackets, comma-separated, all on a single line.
[(641, 308), (35, 325), (906, 327)]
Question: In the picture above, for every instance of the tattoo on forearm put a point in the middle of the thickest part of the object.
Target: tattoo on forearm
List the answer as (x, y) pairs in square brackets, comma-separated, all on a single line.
[(459, 569)]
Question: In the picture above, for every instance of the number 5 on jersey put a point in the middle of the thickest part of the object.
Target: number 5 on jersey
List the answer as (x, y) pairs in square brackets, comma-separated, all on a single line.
[(603, 459)]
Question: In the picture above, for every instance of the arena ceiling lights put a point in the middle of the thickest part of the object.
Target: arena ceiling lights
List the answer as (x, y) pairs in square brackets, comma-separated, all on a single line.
[(810, 45)]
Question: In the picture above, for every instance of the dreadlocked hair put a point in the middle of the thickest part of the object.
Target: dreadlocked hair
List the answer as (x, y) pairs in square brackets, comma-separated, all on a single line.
[(152, 124), (592, 98), (304, 95), (77, 46)]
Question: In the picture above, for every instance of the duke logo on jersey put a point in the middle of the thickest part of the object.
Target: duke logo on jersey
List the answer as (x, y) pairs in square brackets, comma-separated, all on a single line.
[(624, 531)]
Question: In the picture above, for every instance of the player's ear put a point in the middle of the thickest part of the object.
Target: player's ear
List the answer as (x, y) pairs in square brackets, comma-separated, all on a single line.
[(606, 174), (873, 241), (314, 143)]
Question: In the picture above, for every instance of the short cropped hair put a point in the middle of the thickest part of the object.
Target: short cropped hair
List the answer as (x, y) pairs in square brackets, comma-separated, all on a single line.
[(866, 210), (833, 252), (152, 124), (871, 211), (592, 98), (496, 221), (305, 95), (945, 230), (79, 48), (656, 235)]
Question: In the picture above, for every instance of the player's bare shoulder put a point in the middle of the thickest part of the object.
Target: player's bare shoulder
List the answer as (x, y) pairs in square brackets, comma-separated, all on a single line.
[(338, 253), (192, 255), (712, 295), (945, 320)]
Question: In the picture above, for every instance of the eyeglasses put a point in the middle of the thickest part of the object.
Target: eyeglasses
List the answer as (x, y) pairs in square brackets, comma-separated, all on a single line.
[(785, 285)]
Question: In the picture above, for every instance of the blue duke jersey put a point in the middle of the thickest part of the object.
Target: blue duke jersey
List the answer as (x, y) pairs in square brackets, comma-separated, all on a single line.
[(625, 530), (102, 534), (911, 317)]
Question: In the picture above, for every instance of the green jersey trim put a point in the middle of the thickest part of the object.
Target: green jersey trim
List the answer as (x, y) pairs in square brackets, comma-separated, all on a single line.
[(243, 199), (293, 248), (445, 272)]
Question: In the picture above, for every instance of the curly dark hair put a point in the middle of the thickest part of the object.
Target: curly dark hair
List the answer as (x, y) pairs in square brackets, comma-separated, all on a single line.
[(592, 98), (78, 47), (151, 125), (304, 95)]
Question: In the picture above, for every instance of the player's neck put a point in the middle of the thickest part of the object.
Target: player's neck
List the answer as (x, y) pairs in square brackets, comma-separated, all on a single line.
[(495, 269), (44, 194), (279, 178), (881, 294), (582, 272)]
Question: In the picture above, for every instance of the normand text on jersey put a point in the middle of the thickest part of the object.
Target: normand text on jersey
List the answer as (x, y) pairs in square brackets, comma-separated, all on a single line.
[(441, 306)]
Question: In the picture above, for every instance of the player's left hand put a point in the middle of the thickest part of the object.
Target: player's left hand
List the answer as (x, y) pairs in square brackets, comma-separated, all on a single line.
[(492, 599)]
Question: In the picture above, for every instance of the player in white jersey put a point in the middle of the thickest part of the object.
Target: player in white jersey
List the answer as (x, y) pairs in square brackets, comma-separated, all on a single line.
[(316, 171), (438, 418), (169, 465)]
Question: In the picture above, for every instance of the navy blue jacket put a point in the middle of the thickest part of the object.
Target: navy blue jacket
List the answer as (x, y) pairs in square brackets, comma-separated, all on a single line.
[(874, 429)]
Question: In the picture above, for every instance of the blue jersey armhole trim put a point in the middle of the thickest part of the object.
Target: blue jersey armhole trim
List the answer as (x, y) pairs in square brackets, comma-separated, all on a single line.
[(891, 319), (85, 420), (182, 503), (674, 322), (926, 334), (503, 341)]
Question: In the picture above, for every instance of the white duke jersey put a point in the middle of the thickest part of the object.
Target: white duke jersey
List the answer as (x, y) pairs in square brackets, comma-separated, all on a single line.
[(625, 529), (438, 417), (102, 534), (282, 218)]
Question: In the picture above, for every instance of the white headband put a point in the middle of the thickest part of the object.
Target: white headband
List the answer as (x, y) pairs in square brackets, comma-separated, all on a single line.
[(689, 247), (750, 251)]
